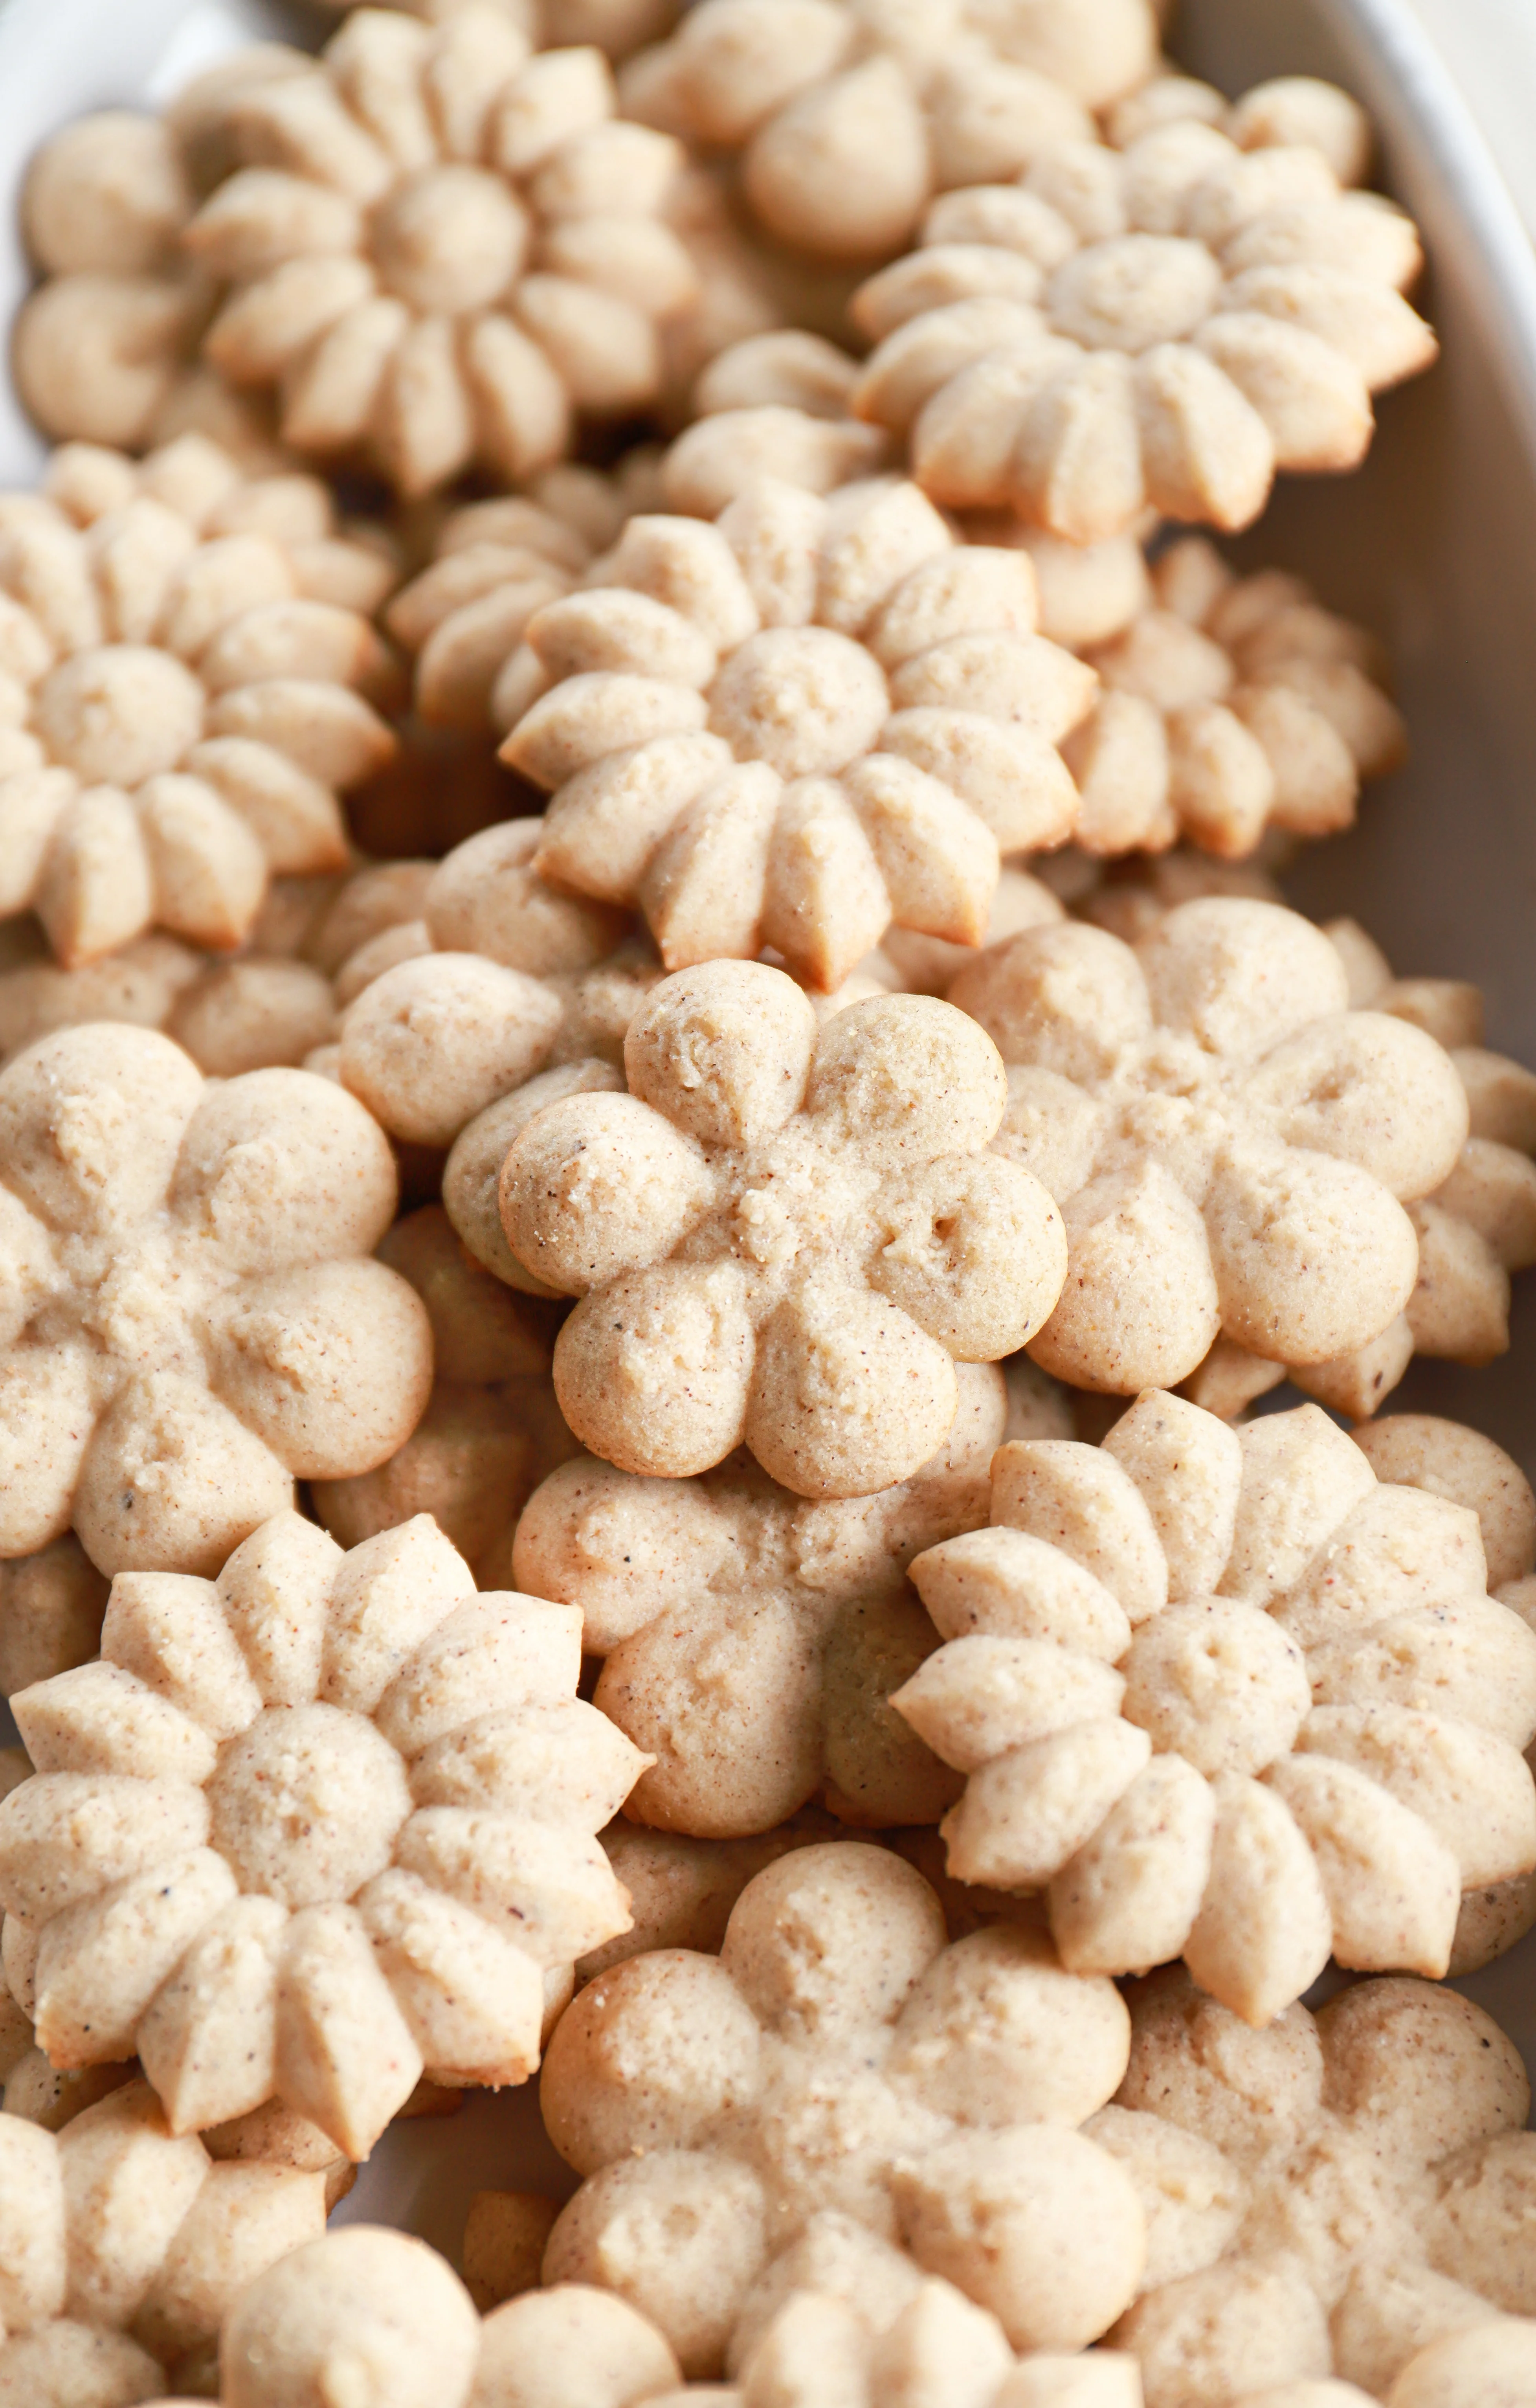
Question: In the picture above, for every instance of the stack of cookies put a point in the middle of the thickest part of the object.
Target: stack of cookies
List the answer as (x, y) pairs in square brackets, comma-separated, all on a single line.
[(700, 1287)]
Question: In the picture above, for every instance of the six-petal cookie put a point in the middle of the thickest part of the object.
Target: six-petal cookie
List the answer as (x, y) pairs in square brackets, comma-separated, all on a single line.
[(1337, 2204), (1223, 1695), (839, 2091), (1231, 1146), (795, 726), (309, 1829), (189, 1319), (180, 652), (781, 1236)]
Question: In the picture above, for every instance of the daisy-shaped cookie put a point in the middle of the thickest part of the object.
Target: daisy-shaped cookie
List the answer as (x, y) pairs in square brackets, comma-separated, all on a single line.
[(1336, 2207), (122, 2245), (848, 119), (1229, 705), (1223, 1695), (442, 247), (181, 650), (781, 1236), (795, 726), (841, 2084), (1164, 327), (307, 1829), (1231, 1146), (190, 1321), (751, 1638)]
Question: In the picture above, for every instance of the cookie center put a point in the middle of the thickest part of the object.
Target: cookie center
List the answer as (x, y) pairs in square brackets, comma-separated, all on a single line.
[(306, 1803), (448, 240), (1140, 290), (119, 713), (806, 701)]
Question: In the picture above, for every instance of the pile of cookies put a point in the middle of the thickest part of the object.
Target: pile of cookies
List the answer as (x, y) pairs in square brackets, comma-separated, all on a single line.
[(699, 1285)]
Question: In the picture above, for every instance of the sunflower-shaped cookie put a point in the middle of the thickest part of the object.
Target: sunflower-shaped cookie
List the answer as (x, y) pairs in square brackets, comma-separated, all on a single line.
[(121, 2245), (180, 652), (841, 2085), (1163, 327), (443, 247), (190, 1321), (797, 727), (751, 1638), (1336, 2207), (303, 1831), (1232, 1148), (1223, 1695), (1229, 705), (781, 1236), (848, 119)]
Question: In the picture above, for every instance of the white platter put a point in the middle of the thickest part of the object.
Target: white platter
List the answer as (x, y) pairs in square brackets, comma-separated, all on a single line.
[(1434, 544)]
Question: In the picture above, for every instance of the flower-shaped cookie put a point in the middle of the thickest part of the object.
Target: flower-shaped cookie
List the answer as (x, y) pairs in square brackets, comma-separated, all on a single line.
[(443, 247), (849, 118), (1472, 1232), (1232, 1148), (779, 1237), (1165, 326), (309, 1829), (795, 726), (751, 1638), (189, 1318), (1229, 705), (121, 2245), (492, 1429), (841, 2083), (1337, 2207), (1222, 1695), (180, 650)]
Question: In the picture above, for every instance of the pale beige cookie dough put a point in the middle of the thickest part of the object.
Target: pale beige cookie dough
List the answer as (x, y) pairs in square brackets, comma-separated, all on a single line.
[(123, 2246), (795, 726), (781, 1236), (1233, 1147), (185, 661), (190, 1320), (750, 1638), (848, 119), (1231, 705), (1338, 2204), (492, 1429), (442, 247), (1221, 1694), (308, 1830), (842, 2102), (1168, 324)]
